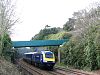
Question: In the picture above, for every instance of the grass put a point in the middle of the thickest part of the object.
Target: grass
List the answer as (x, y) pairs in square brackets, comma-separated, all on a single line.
[(6, 68), (62, 65), (55, 36)]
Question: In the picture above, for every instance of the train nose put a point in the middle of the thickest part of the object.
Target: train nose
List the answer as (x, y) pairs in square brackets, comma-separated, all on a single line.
[(49, 65)]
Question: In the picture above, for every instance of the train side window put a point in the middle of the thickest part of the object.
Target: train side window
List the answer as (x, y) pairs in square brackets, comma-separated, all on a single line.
[(37, 56), (33, 57), (29, 55)]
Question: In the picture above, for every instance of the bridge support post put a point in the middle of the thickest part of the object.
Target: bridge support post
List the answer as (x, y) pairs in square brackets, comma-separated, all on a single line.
[(58, 55)]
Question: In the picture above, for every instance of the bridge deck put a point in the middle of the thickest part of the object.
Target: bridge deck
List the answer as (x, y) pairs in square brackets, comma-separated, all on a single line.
[(38, 43)]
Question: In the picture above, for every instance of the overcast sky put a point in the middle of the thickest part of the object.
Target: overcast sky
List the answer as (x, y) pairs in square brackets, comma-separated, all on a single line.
[(35, 14)]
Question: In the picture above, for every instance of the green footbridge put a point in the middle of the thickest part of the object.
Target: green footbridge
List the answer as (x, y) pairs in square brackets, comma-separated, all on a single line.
[(38, 43)]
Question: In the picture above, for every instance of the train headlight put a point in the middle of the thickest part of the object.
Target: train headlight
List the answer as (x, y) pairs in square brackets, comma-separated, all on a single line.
[(45, 61)]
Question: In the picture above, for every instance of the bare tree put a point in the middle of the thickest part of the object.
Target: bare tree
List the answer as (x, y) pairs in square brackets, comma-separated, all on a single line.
[(86, 18), (7, 19)]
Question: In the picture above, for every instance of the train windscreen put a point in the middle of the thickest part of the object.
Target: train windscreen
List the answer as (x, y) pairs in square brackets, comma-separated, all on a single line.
[(49, 55)]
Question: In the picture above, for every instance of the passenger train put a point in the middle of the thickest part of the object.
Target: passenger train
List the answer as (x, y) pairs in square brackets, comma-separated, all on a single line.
[(43, 59)]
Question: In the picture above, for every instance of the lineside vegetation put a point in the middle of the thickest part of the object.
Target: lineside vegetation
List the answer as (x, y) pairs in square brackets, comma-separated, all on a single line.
[(83, 49)]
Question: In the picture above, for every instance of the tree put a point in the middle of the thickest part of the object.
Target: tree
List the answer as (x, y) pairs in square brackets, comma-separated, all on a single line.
[(85, 18), (7, 20), (84, 51), (69, 25), (46, 31)]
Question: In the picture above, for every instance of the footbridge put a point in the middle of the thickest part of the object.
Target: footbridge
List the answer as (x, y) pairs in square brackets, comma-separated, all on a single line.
[(38, 43)]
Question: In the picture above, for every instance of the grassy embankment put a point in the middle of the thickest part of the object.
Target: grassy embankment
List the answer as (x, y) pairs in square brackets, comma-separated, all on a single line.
[(57, 36), (6, 68)]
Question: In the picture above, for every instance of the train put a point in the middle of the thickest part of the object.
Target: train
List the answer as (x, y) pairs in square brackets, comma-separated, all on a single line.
[(43, 59)]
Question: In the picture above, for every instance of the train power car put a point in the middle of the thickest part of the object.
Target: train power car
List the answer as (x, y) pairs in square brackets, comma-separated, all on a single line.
[(43, 59)]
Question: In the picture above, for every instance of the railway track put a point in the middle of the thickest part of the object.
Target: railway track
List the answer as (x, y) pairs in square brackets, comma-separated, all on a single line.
[(55, 73), (57, 70), (71, 71), (31, 69)]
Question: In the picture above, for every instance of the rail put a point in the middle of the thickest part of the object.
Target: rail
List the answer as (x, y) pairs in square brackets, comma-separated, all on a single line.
[(57, 70)]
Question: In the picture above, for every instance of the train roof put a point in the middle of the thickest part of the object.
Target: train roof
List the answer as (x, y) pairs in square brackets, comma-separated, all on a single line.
[(45, 51), (37, 52), (30, 53)]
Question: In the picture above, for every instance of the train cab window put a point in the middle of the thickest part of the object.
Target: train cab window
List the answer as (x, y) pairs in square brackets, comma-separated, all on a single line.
[(49, 55)]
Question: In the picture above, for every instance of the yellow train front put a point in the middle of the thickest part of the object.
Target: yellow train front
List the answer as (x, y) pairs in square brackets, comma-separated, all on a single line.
[(43, 59)]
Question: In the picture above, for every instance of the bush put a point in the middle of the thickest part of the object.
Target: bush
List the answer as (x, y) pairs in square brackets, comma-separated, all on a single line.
[(84, 52)]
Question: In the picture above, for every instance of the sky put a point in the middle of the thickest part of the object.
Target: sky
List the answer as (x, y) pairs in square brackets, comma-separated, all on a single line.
[(35, 14)]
